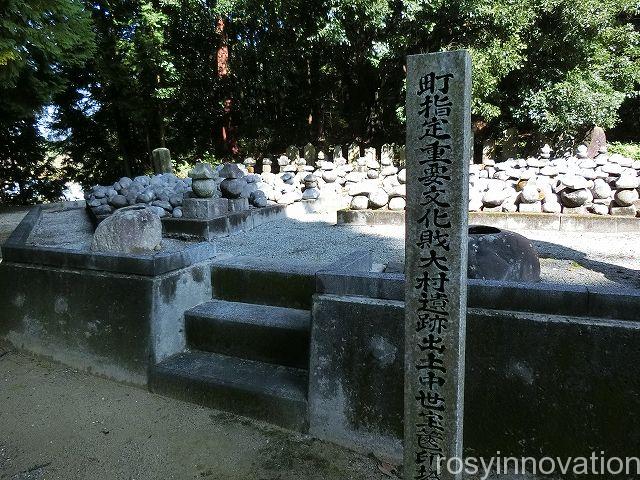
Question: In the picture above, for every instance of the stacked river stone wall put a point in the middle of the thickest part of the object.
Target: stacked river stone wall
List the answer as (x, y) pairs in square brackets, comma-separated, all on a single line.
[(607, 184)]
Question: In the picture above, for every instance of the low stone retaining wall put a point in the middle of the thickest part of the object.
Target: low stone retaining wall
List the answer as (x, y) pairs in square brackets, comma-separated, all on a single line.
[(509, 221), (546, 367)]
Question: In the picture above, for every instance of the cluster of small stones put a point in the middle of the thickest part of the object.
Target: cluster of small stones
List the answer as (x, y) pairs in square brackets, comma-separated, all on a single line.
[(229, 180), (161, 193), (164, 193), (360, 181), (605, 185)]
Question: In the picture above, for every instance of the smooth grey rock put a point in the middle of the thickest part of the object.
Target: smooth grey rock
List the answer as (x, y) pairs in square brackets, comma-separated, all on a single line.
[(201, 171), (628, 181), (626, 198), (125, 182), (142, 180), (162, 204), (329, 176), (311, 194), (388, 170), (145, 197), (496, 254), (204, 188), (378, 198), (529, 194), (575, 198), (402, 176), (102, 210), (549, 171), (373, 174), (601, 189), (551, 207), (231, 170), (232, 187), (397, 203), (494, 197), (574, 182), (355, 176), (177, 212), (359, 202), (175, 200), (288, 177), (288, 198), (129, 231), (248, 189), (612, 168), (599, 209), (362, 188)]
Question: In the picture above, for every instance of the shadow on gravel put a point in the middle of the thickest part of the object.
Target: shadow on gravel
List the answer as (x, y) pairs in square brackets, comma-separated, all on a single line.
[(626, 277)]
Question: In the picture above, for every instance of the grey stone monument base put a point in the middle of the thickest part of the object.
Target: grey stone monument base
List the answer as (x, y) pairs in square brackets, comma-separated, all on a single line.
[(112, 314), (238, 204), (204, 208)]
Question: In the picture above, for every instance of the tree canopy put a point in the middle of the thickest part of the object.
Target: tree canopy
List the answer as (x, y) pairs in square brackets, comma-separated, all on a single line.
[(244, 77)]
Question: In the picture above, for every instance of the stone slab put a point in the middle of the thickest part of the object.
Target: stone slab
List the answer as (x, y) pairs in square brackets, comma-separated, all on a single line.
[(238, 205), (16, 250), (204, 208)]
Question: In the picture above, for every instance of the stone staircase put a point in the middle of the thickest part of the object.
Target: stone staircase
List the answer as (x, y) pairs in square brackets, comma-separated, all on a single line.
[(248, 348)]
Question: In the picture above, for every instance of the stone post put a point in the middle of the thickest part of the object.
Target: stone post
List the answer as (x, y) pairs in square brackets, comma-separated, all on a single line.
[(438, 149), (162, 160)]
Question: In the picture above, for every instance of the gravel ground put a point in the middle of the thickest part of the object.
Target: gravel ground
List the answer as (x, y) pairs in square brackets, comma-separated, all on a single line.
[(581, 258), (58, 423)]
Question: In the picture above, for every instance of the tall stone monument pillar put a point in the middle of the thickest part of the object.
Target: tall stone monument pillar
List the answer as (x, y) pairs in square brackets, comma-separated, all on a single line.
[(437, 161)]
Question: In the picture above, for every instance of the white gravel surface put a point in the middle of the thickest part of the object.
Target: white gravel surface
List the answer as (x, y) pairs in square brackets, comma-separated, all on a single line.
[(582, 258)]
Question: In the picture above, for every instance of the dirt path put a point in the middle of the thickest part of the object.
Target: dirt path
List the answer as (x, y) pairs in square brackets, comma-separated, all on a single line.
[(58, 423)]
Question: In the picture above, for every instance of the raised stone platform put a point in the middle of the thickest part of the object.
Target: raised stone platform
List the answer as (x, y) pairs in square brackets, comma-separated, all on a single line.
[(114, 315), (221, 225)]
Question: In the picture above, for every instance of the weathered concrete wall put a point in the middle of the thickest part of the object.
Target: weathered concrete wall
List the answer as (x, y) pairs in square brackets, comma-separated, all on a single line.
[(536, 384), (355, 376), (112, 324), (86, 319)]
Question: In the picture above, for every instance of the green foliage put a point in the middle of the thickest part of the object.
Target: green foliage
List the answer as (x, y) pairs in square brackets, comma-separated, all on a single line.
[(39, 39), (127, 76), (631, 150), (27, 171)]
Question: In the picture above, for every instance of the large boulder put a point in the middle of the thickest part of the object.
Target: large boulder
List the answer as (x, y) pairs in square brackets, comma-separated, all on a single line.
[(496, 254), (129, 230)]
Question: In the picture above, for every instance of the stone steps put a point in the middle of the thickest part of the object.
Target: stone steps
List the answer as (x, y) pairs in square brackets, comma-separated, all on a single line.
[(272, 393), (264, 281), (263, 333)]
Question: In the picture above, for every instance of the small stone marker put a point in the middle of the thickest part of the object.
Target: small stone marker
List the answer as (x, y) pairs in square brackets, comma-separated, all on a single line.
[(162, 160), (310, 154), (438, 149), (293, 153)]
